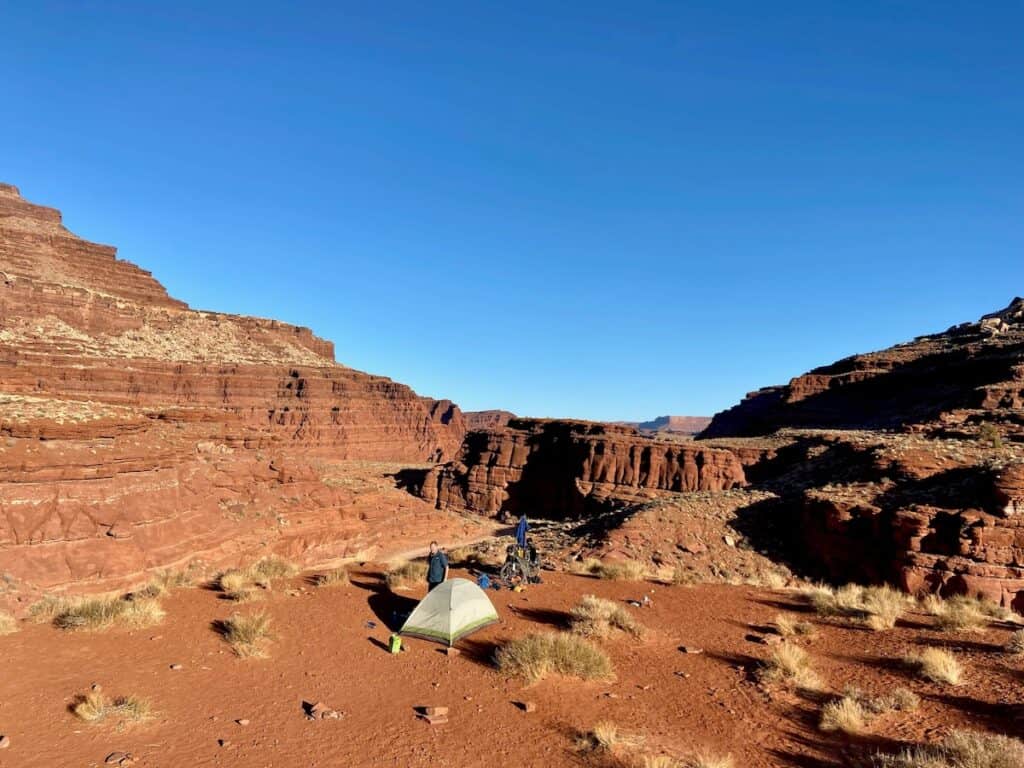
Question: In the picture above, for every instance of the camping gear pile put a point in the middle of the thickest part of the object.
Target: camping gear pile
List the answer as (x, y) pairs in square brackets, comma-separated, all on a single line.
[(522, 563)]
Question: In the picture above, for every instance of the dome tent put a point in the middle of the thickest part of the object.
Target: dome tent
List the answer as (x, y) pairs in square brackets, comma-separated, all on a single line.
[(449, 612)]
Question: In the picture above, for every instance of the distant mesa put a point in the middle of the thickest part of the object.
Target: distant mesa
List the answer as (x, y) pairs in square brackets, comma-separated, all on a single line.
[(683, 425), (493, 419)]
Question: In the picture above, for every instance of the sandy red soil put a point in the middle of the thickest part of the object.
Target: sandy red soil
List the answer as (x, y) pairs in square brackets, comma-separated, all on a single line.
[(325, 651)]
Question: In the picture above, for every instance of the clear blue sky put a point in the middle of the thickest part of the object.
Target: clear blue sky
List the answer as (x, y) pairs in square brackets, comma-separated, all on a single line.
[(607, 210)]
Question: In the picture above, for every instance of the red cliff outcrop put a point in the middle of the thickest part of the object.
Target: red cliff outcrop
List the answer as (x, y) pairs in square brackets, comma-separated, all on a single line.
[(136, 432), (557, 469)]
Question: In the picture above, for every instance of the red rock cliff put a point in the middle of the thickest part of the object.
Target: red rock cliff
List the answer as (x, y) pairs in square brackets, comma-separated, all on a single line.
[(137, 432), (555, 469)]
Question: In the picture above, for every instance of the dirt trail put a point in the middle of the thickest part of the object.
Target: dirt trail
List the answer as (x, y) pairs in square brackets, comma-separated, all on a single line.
[(326, 650)]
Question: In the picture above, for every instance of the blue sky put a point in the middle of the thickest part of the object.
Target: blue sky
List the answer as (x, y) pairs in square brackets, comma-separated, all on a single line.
[(603, 210)]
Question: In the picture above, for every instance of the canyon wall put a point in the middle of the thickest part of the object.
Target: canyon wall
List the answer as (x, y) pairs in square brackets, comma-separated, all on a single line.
[(135, 432), (558, 469)]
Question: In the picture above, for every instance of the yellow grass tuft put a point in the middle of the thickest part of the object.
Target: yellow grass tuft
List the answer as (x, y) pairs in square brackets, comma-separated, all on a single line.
[(94, 707), (536, 656), (606, 737), (790, 664), (248, 634), (961, 749), (407, 574), (788, 626), (708, 760), (243, 584), (878, 607), (597, 617), (620, 570), (1016, 642), (335, 578), (846, 714), (99, 613), (8, 624), (937, 665)]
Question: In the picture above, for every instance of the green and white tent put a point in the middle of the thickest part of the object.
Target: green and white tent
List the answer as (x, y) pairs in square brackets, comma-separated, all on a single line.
[(449, 612)]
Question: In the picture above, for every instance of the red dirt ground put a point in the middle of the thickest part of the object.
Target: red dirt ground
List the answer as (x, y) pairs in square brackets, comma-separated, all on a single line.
[(326, 652)]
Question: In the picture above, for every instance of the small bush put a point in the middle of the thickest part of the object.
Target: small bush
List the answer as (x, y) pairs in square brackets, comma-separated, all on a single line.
[(1016, 642), (606, 737), (48, 608), (790, 664), (248, 634), (596, 617), (988, 434), (960, 614), (408, 574), (877, 607), (846, 714), (899, 700), (536, 656), (164, 582), (961, 749), (94, 707), (787, 626), (937, 665), (243, 584), (99, 613), (8, 624), (708, 760), (264, 571), (684, 576), (617, 570), (335, 578)]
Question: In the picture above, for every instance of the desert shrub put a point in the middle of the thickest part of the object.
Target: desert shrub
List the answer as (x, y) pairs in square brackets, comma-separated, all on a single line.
[(606, 737), (787, 626), (243, 584), (708, 760), (877, 607), (1016, 642), (960, 614), (8, 624), (265, 570), (854, 710), (937, 665), (165, 581), (48, 607), (536, 656), (989, 435), (846, 714), (684, 576), (790, 664), (337, 577), (614, 570), (247, 634), (99, 613), (407, 574), (94, 707), (597, 617), (961, 749)]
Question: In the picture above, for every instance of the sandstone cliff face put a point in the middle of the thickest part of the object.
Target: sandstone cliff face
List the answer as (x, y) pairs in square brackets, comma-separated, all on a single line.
[(556, 469), (951, 381), (477, 420), (135, 431)]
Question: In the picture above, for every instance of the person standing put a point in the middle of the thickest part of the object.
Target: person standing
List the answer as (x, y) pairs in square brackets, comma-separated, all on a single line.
[(437, 567)]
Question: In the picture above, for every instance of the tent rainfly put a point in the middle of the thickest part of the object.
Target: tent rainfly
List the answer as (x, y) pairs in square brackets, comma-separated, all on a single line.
[(449, 612)]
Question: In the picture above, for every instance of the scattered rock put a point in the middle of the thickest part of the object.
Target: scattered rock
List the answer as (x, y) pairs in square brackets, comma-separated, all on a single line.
[(321, 711), (527, 706), (223, 743), (242, 721), (690, 649), (120, 759), (435, 719), (729, 541), (435, 711), (5, 742), (177, 667), (452, 651)]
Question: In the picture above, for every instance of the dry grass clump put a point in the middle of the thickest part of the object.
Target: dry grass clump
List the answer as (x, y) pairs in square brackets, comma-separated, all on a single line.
[(853, 712), (1014, 645), (8, 624), (790, 664), (94, 707), (965, 614), (337, 577), (99, 613), (164, 582), (877, 607), (247, 634), (597, 617), (242, 584), (616, 570), (846, 714), (788, 626), (708, 760), (961, 749), (407, 574), (606, 737), (535, 656), (937, 665)]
